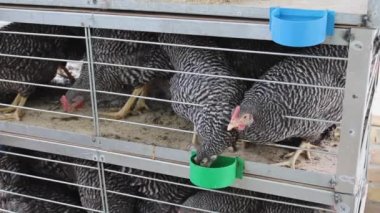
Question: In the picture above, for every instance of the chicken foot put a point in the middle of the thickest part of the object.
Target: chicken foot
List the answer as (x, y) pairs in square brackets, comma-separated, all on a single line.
[(14, 113), (9, 108), (133, 103), (141, 104), (295, 155)]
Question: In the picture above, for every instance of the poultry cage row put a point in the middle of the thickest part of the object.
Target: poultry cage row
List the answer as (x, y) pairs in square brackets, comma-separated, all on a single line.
[(158, 140)]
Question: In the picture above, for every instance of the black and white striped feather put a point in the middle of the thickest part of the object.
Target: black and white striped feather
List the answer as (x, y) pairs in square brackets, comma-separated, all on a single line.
[(33, 70), (117, 78), (224, 203), (217, 95), (269, 103)]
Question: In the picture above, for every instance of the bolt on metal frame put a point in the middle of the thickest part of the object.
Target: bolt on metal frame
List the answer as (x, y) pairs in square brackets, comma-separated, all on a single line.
[(346, 186)]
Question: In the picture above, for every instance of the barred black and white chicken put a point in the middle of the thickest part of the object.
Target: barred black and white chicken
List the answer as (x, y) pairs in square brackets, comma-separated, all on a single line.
[(18, 190), (226, 203), (114, 78), (262, 115), (216, 95), (33, 70)]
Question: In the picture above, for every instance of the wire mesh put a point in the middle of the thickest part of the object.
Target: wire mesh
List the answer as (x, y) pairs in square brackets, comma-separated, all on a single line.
[(91, 63), (137, 177), (98, 120)]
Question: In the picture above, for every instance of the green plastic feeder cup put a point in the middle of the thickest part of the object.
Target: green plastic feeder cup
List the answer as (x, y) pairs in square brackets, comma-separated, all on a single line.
[(222, 172)]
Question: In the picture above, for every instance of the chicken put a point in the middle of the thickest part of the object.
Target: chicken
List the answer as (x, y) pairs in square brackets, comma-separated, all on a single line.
[(217, 95), (14, 183), (213, 201), (261, 115), (33, 70), (166, 192), (252, 65), (116, 78), (130, 185), (40, 189), (91, 198)]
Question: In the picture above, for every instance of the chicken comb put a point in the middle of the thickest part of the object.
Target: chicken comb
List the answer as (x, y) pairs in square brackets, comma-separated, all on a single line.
[(235, 113)]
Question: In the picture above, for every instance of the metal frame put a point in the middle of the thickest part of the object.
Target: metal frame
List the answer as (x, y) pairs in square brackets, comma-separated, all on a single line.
[(349, 172), (344, 189), (230, 10), (206, 26)]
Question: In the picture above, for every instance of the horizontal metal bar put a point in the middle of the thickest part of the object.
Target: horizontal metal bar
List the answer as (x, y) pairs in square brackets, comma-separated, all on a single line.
[(47, 200), (222, 49), (291, 175), (176, 169), (169, 71), (39, 58), (48, 179), (47, 160), (233, 10), (43, 85), (217, 191), (51, 146), (311, 119), (180, 24), (148, 98), (7, 211), (219, 76), (136, 148), (47, 111), (290, 147), (259, 184), (147, 125), (41, 34), (179, 45)]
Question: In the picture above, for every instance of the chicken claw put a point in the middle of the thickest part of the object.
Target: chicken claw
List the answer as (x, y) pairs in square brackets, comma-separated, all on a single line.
[(294, 155), (14, 113), (133, 103)]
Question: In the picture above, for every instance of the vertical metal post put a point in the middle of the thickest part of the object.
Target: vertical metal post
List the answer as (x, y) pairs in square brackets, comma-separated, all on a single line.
[(354, 111), (91, 75), (103, 181), (98, 158), (101, 185)]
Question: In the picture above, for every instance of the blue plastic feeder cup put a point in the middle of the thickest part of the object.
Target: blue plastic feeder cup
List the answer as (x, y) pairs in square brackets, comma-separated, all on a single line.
[(301, 28)]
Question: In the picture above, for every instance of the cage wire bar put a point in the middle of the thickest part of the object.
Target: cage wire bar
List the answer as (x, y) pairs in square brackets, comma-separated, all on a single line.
[(221, 27), (230, 10), (345, 189), (127, 194)]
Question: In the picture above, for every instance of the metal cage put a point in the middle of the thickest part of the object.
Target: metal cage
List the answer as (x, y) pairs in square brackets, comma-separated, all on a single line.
[(344, 189)]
